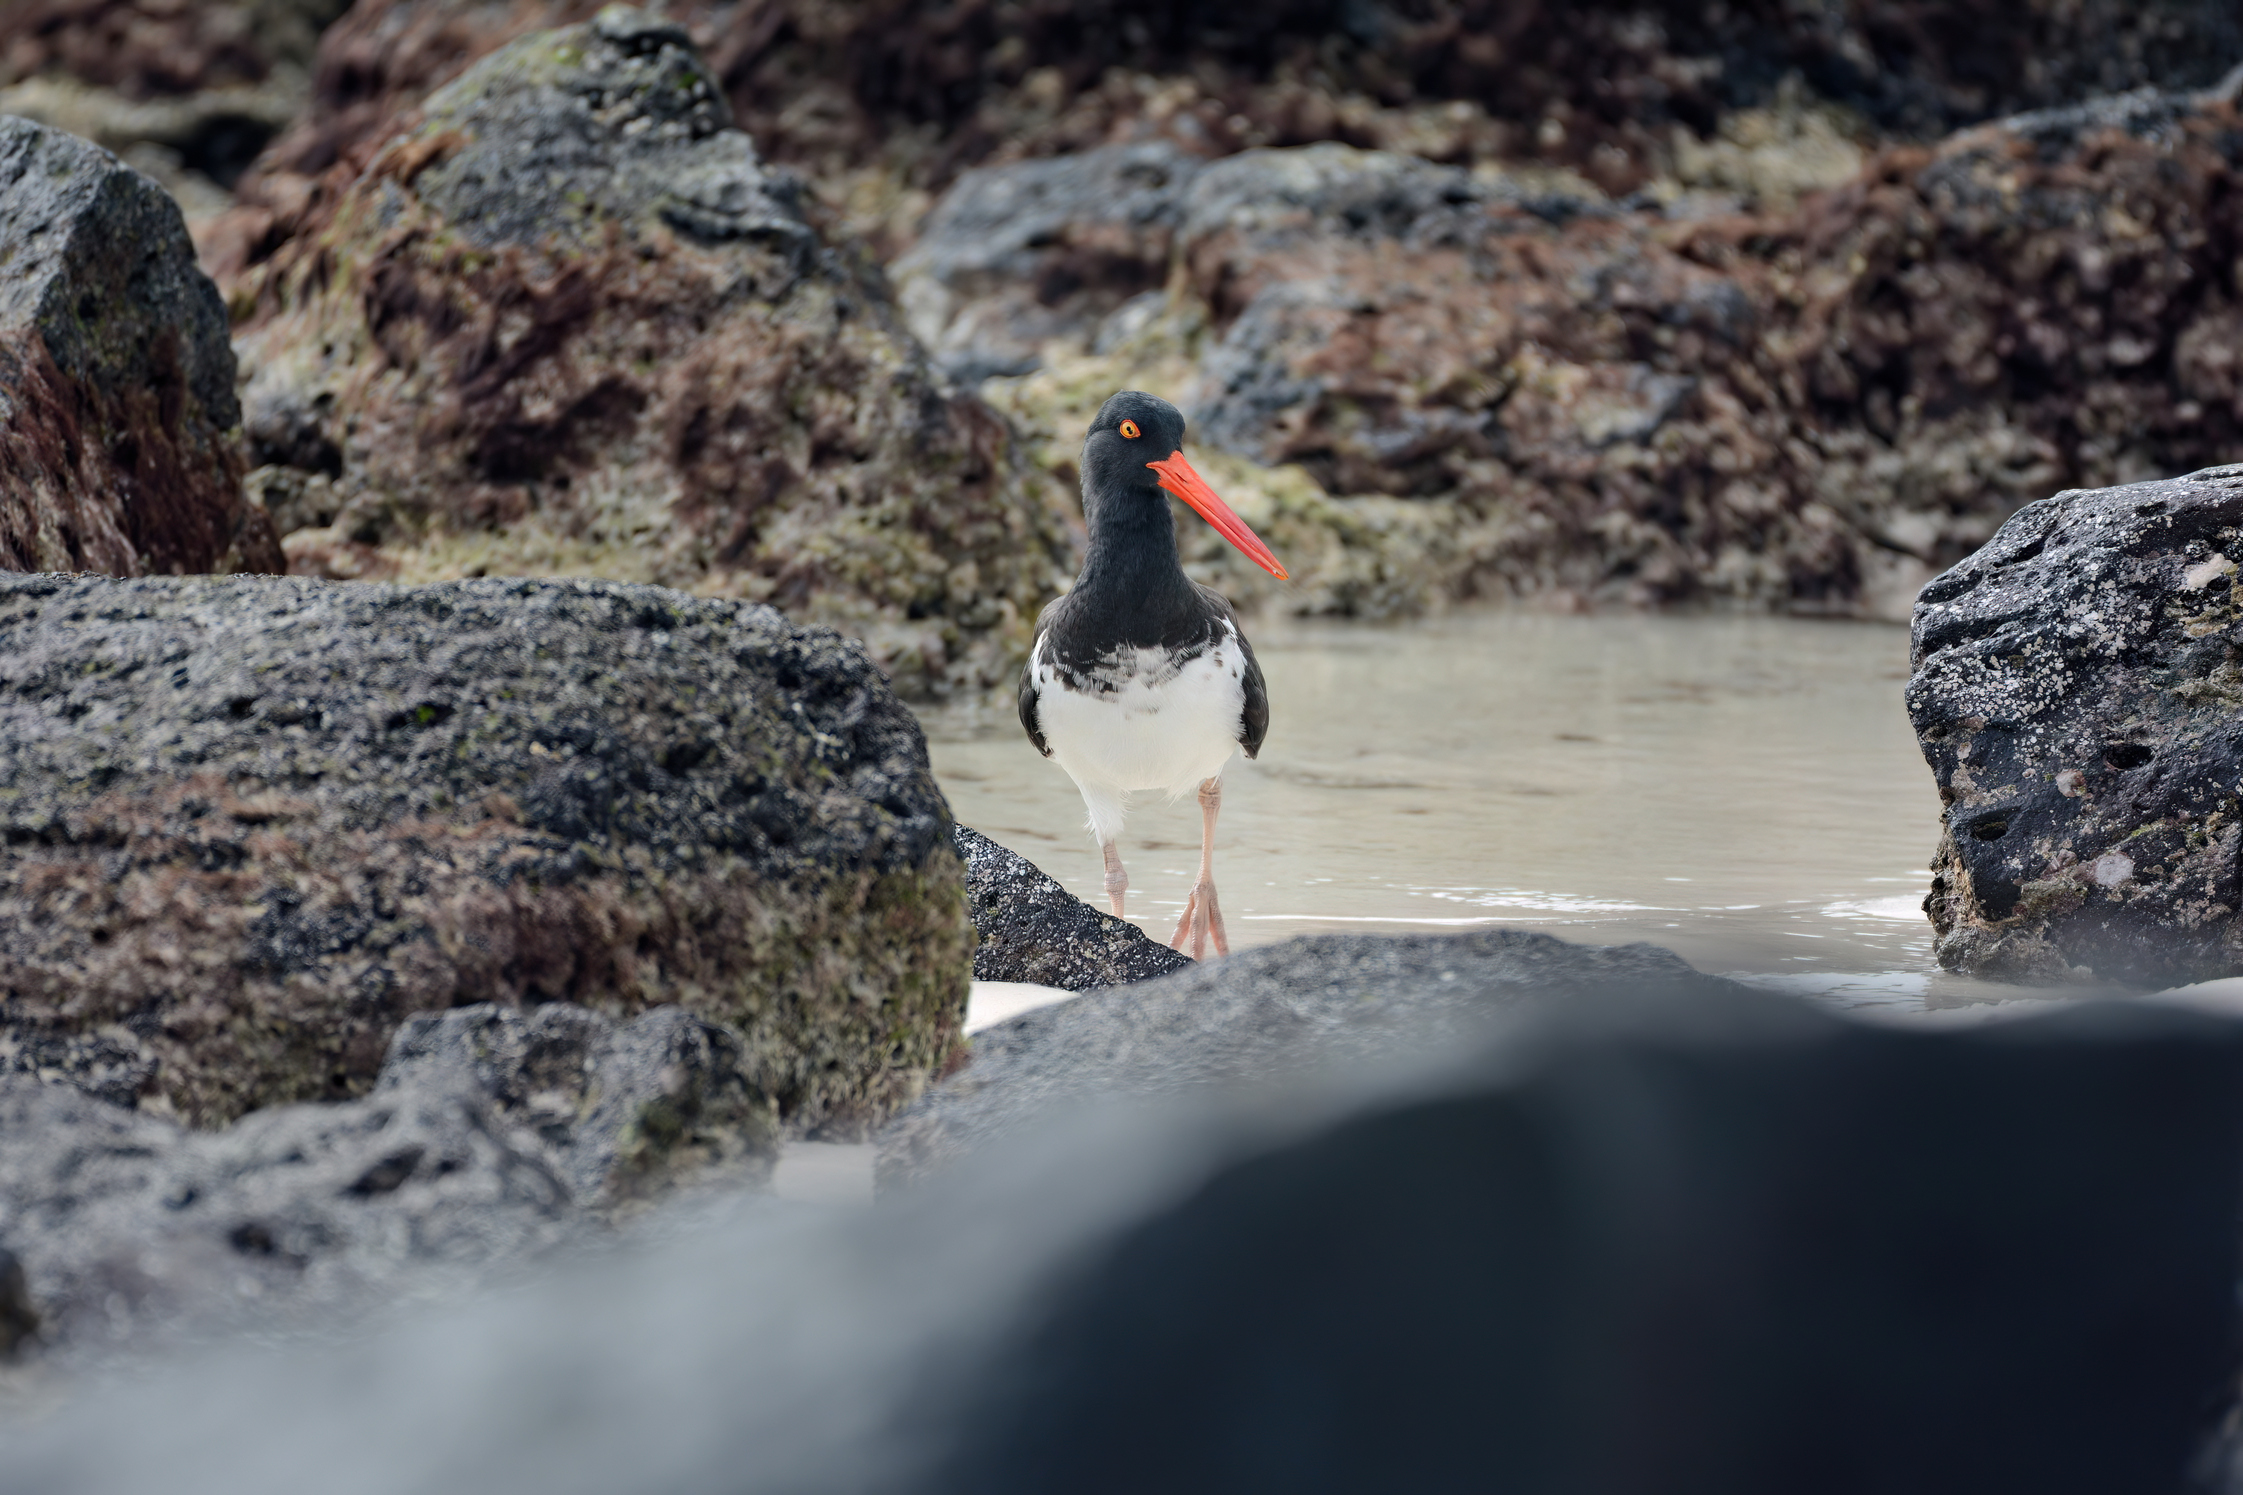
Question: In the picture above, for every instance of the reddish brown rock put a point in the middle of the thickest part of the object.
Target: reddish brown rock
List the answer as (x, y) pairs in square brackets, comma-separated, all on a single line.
[(118, 418), (572, 325)]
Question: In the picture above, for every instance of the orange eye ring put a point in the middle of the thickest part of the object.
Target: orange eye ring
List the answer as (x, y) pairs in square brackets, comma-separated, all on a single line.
[(1129, 429)]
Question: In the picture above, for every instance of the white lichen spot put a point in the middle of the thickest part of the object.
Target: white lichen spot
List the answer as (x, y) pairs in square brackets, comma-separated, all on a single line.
[(2199, 576), (2071, 783), (2112, 868)]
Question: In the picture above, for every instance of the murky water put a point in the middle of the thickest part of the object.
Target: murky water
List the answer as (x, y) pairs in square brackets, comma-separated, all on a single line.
[(1743, 790)]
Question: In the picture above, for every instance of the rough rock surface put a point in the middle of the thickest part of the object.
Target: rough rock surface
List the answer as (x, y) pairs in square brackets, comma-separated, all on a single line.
[(889, 99), (1255, 1017), (253, 823), (117, 408), (2075, 690), (1448, 384), (570, 324), (492, 1135), (1032, 929)]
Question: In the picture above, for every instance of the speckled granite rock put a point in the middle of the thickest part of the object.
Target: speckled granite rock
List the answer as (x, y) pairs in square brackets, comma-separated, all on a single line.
[(1032, 929), (2075, 691), (492, 1135), (1255, 1016), (250, 824), (117, 409), (569, 323)]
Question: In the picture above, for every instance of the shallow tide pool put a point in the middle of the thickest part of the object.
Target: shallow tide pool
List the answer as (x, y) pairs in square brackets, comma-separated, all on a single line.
[(1743, 790)]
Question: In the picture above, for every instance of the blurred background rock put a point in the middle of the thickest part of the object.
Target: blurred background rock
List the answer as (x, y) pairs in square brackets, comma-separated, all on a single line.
[(1697, 301)]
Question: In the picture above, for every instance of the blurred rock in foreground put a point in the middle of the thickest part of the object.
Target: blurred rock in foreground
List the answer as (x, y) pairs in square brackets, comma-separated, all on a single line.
[(252, 824), (493, 1135), (2075, 690), (1668, 1242), (1032, 929), (1260, 1017), (571, 325), (117, 409)]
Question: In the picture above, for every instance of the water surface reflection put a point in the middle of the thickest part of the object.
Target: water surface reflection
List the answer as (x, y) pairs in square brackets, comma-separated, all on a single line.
[(1743, 790)]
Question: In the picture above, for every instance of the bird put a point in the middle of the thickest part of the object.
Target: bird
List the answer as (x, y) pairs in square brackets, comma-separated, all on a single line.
[(1140, 678)]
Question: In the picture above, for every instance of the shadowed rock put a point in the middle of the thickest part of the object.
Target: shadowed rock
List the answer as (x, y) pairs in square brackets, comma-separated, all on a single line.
[(493, 1135), (1659, 1241), (1032, 929), (253, 823), (570, 323), (117, 405), (2075, 690), (1254, 1018)]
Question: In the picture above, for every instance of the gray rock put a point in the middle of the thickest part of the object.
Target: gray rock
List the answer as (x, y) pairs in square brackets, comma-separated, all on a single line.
[(2075, 688), (630, 1108), (117, 406), (1032, 929), (560, 141), (1257, 1017), (1648, 1245), (1015, 256), (253, 823), (492, 1135)]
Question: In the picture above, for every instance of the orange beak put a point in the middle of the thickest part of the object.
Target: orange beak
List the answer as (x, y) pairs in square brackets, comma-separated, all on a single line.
[(1177, 477)]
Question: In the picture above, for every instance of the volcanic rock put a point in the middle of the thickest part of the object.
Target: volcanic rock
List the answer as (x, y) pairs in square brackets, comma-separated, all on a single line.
[(1256, 1017), (1032, 929), (252, 824), (493, 1135), (117, 409), (1650, 1245), (2075, 690), (1013, 257), (570, 323)]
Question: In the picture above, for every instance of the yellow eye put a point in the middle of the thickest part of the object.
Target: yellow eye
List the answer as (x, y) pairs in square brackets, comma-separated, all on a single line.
[(1129, 429)]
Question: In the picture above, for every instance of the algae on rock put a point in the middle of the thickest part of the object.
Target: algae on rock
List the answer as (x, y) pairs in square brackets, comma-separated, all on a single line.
[(571, 325), (256, 822)]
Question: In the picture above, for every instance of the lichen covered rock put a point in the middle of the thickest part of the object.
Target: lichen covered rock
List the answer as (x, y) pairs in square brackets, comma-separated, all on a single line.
[(2075, 691), (253, 823), (118, 418), (1440, 383), (571, 325)]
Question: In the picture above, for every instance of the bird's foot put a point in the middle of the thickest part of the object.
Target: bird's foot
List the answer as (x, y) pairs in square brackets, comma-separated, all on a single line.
[(1202, 921), (1117, 881)]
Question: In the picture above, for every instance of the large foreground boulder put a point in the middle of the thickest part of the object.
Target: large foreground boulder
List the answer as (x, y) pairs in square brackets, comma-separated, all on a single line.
[(253, 823), (2075, 690), (1030, 928), (1260, 1017), (118, 419), (493, 1135), (571, 324), (1705, 1241)]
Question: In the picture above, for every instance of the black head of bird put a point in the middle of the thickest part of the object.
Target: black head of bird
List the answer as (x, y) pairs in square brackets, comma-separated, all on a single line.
[(1134, 453)]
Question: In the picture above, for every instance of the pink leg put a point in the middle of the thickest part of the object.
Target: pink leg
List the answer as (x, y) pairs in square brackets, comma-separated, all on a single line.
[(1203, 916), (1117, 881)]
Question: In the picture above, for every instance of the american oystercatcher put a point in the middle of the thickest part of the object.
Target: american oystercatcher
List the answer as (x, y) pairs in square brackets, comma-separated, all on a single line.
[(1140, 678)]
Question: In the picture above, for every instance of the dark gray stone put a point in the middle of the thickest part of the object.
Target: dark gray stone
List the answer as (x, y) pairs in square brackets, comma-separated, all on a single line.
[(1648, 1245), (1257, 1017), (251, 824), (1032, 929), (2075, 690), (117, 405), (629, 1109), (618, 122), (1015, 256), (493, 1135)]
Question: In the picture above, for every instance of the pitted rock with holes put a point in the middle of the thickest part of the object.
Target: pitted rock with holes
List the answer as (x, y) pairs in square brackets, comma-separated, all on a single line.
[(2075, 690)]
